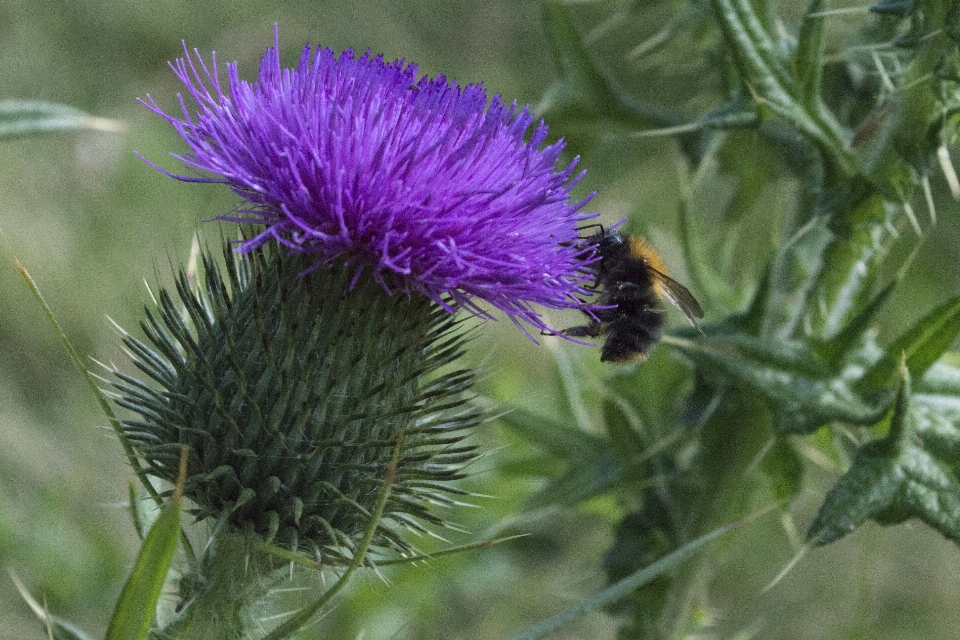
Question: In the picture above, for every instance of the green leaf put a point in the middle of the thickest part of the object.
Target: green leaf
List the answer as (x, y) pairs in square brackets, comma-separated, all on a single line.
[(808, 58), (883, 139), (793, 273), (553, 437), (580, 91), (24, 117), (860, 243), (589, 459), (642, 537), (593, 463), (783, 467), (625, 441), (57, 627), (700, 257), (751, 320), (840, 348), (922, 344), (732, 114), (939, 388), (896, 8), (584, 479), (951, 23), (758, 54), (579, 87), (802, 391), (138, 600), (622, 588), (911, 473), (649, 398), (753, 165), (773, 85)]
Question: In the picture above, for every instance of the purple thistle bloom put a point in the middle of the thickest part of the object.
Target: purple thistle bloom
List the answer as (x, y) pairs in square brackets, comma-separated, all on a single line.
[(356, 160)]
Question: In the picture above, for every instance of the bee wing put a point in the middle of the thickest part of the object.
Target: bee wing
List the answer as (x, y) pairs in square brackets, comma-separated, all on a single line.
[(679, 295)]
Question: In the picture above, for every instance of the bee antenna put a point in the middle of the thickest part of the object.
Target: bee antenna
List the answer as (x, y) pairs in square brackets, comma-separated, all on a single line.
[(591, 226)]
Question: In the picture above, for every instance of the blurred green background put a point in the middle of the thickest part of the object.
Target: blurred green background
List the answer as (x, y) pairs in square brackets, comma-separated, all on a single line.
[(91, 222)]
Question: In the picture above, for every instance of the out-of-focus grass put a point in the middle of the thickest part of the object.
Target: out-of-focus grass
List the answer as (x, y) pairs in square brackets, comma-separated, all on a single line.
[(90, 222)]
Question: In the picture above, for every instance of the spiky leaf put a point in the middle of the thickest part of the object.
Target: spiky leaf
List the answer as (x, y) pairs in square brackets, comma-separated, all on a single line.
[(802, 391), (914, 472), (922, 345)]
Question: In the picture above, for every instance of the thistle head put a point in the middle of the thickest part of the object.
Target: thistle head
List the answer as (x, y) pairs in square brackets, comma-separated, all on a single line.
[(415, 180), (294, 394), (379, 203)]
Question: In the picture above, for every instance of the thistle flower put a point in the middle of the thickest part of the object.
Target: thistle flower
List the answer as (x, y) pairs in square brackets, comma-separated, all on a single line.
[(321, 411), (355, 160)]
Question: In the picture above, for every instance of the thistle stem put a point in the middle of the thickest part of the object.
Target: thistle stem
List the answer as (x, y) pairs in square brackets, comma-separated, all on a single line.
[(304, 615)]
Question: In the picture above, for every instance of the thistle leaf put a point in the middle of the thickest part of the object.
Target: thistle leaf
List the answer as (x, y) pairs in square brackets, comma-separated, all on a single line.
[(861, 239), (911, 473), (802, 391), (780, 309), (773, 84), (922, 345), (556, 438), (896, 8), (841, 347), (590, 469), (783, 467), (622, 588), (758, 54), (808, 58), (579, 87), (580, 91)]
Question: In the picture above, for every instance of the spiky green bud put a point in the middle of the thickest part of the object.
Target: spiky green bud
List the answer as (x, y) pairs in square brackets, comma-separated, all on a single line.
[(292, 386)]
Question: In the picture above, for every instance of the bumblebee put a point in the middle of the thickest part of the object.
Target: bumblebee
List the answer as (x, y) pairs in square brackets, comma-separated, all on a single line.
[(631, 282)]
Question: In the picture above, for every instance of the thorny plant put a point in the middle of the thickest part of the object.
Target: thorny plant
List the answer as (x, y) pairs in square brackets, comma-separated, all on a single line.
[(858, 126), (860, 130)]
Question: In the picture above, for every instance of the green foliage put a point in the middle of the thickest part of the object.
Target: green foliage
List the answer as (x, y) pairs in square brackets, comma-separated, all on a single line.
[(138, 600), (803, 354), (30, 117), (910, 473), (589, 476), (921, 346), (57, 628), (803, 392), (622, 587)]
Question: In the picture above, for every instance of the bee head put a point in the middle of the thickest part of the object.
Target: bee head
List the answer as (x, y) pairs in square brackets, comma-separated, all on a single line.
[(609, 244)]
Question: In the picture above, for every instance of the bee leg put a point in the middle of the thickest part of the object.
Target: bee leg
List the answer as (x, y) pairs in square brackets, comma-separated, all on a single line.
[(591, 330)]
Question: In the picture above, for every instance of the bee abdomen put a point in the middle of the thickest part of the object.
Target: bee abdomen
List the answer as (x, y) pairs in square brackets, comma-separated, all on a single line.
[(632, 336)]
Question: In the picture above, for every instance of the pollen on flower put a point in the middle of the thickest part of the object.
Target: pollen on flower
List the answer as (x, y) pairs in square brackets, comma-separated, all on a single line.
[(419, 182)]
